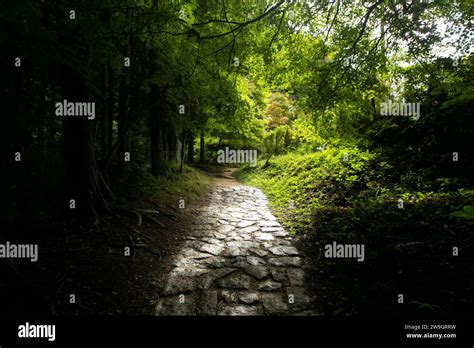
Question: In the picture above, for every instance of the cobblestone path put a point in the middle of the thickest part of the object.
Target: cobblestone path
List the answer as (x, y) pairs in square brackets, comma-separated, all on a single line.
[(237, 260)]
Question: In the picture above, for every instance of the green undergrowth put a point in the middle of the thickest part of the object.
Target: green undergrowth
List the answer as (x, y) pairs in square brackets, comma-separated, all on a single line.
[(297, 184), (408, 221), (189, 185)]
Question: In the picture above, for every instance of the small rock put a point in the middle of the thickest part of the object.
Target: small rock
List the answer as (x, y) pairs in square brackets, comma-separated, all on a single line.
[(272, 229), (279, 274), (269, 285), (258, 251), (245, 223), (269, 223), (264, 236), (240, 310), (239, 261), (225, 229), (284, 250), (214, 262), (193, 254), (234, 281), (280, 234), (258, 272), (205, 281), (187, 271), (212, 249), (255, 261), (285, 261), (249, 298), (249, 229)]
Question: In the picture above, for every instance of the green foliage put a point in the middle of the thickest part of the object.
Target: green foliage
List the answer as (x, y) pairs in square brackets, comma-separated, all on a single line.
[(310, 180), (190, 185), (467, 212), (323, 198)]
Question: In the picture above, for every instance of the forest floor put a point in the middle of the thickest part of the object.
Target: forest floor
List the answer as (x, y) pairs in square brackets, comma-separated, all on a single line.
[(236, 260), (224, 253)]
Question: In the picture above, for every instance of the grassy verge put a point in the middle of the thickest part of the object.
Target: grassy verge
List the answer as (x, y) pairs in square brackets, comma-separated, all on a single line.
[(403, 219), (189, 185)]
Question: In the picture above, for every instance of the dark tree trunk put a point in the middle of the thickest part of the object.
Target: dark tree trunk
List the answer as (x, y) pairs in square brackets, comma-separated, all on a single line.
[(158, 161), (106, 116), (81, 181), (171, 144), (16, 137), (154, 132), (123, 122), (81, 172), (202, 152), (191, 148), (166, 132), (182, 152)]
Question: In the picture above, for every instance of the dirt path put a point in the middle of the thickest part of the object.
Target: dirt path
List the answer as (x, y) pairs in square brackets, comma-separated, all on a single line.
[(236, 260)]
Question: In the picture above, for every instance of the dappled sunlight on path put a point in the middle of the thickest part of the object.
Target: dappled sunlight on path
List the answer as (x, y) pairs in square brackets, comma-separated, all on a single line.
[(237, 260)]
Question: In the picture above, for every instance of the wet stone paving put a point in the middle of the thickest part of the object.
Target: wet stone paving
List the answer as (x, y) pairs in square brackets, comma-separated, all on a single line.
[(237, 260)]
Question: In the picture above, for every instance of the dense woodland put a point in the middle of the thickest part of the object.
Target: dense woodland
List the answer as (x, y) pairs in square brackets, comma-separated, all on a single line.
[(302, 82)]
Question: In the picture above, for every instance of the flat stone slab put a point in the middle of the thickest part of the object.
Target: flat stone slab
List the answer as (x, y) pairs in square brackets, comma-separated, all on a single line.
[(258, 272), (239, 261), (284, 250), (272, 229), (214, 262), (193, 254), (249, 229), (212, 249), (249, 298), (269, 223), (241, 310), (269, 285), (285, 261), (264, 236), (258, 251), (225, 229), (279, 274), (187, 271), (246, 223), (255, 260), (205, 281), (234, 281)]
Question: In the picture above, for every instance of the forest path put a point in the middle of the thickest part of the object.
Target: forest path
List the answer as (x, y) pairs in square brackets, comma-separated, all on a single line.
[(236, 260)]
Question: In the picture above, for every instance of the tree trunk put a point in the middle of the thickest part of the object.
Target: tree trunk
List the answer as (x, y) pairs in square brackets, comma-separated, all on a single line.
[(191, 148), (81, 182), (81, 172), (178, 150), (158, 161), (107, 114), (182, 152), (154, 132), (123, 122)]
